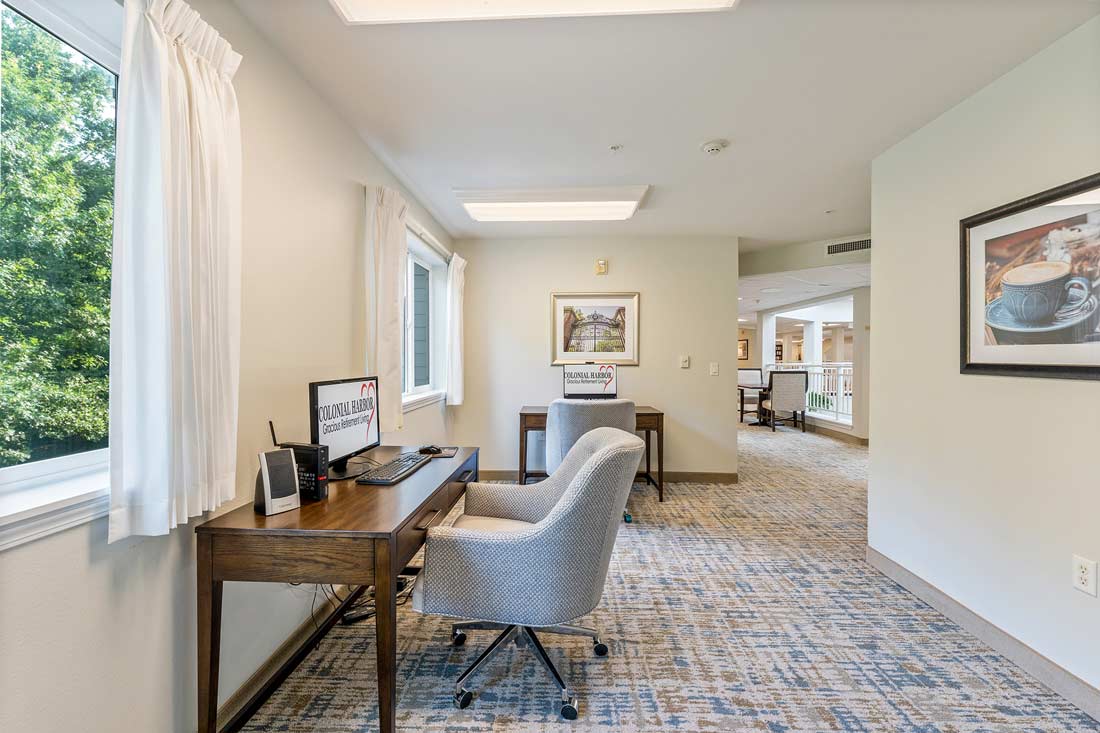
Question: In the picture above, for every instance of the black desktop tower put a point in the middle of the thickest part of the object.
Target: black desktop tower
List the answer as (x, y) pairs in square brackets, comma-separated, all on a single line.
[(312, 460)]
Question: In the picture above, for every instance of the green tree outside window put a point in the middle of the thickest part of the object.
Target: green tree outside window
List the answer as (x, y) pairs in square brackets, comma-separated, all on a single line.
[(57, 147)]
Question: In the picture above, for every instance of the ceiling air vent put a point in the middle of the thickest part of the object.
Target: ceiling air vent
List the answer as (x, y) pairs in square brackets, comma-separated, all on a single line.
[(842, 247)]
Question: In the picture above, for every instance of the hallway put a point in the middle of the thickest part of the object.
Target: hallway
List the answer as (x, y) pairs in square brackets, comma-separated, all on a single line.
[(744, 607)]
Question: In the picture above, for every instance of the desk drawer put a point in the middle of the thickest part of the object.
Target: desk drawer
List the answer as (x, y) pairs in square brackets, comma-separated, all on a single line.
[(411, 536), (289, 559)]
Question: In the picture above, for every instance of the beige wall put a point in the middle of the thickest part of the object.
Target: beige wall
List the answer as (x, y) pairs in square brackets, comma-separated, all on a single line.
[(800, 256), (753, 362), (984, 486), (688, 291), (102, 638)]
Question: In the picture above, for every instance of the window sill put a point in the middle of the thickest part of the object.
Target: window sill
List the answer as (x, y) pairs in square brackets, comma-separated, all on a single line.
[(39, 511), (410, 402)]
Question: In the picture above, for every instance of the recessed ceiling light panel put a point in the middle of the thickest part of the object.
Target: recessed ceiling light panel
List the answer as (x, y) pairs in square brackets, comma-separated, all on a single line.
[(606, 203), (362, 12)]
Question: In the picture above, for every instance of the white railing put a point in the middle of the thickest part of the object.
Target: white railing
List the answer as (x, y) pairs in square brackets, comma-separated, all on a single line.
[(829, 393)]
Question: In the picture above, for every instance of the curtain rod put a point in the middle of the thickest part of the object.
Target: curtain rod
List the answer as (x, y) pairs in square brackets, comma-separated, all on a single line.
[(429, 239)]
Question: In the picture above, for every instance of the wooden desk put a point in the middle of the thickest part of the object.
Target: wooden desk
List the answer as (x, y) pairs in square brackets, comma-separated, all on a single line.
[(359, 535), (647, 420)]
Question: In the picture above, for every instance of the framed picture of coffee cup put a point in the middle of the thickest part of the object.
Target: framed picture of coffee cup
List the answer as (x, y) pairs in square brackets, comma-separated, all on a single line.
[(1029, 276), (594, 327)]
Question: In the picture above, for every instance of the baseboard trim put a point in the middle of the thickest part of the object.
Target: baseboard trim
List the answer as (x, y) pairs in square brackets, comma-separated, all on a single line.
[(244, 703), (1057, 678), (485, 475), (838, 434), (697, 477)]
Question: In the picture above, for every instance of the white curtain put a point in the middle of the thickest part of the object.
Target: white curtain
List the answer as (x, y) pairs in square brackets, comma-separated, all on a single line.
[(456, 283), (175, 287), (386, 256)]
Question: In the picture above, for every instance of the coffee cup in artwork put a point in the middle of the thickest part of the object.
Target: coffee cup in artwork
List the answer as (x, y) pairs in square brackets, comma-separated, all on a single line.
[(1034, 292)]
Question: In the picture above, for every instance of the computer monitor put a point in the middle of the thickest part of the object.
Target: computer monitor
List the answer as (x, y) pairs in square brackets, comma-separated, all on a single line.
[(343, 414), (589, 381)]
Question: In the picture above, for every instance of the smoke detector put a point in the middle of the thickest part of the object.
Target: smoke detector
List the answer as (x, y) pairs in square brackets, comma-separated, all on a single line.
[(714, 147)]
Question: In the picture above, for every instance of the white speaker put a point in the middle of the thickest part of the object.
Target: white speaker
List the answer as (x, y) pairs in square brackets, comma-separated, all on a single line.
[(277, 483)]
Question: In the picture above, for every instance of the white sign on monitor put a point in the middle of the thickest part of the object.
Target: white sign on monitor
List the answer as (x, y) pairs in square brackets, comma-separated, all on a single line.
[(590, 380), (347, 416)]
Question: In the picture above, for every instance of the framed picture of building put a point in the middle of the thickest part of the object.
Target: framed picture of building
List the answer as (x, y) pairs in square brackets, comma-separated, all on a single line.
[(594, 327), (1029, 276)]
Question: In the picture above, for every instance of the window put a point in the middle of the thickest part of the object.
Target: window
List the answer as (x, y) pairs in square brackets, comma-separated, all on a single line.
[(57, 148), (420, 280), (426, 273)]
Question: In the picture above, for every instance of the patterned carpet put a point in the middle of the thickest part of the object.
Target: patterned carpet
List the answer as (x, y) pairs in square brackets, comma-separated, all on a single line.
[(728, 608)]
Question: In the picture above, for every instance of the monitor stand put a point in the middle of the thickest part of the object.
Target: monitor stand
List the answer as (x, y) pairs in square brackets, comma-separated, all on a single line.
[(345, 469)]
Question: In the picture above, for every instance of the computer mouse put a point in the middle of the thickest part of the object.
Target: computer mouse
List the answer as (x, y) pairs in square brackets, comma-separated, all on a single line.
[(430, 450)]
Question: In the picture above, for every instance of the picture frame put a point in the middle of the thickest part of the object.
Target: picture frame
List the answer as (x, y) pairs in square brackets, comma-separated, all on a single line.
[(1029, 271), (594, 327), (742, 349)]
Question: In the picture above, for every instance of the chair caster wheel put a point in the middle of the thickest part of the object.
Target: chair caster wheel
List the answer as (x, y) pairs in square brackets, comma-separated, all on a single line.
[(600, 649), (628, 517), (458, 638), (463, 698), (569, 709)]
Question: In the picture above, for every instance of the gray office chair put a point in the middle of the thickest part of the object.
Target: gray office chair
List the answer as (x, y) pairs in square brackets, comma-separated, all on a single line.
[(522, 558), (786, 393), (568, 420)]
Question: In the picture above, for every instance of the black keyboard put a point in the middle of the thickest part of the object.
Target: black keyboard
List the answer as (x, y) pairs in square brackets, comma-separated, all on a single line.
[(389, 473)]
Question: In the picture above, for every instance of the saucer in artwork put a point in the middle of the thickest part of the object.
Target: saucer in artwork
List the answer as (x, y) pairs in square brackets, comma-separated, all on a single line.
[(1070, 325)]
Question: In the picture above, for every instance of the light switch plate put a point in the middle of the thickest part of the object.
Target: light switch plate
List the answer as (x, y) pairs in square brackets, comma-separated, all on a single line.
[(601, 267), (714, 369), (685, 362), (1084, 575)]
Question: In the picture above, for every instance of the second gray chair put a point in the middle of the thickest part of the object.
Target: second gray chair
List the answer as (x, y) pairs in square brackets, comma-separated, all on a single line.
[(568, 420), (522, 558)]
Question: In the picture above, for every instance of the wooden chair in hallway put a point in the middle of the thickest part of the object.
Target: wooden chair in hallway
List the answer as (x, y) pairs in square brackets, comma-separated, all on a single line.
[(749, 397), (786, 393)]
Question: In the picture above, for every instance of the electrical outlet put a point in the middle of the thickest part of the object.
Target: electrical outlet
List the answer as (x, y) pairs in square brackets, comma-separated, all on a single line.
[(714, 369), (1084, 575), (685, 362)]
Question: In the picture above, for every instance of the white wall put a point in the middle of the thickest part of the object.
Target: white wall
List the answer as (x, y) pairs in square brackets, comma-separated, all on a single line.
[(688, 295), (102, 638), (984, 486)]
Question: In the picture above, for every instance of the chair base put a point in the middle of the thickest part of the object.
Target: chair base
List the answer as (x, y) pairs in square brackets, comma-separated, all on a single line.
[(768, 418), (523, 636)]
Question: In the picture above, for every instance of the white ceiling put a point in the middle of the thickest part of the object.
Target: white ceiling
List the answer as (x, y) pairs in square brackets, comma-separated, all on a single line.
[(808, 92), (797, 286)]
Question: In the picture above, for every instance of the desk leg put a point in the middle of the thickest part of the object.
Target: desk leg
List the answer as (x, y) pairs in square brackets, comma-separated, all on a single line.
[(648, 470), (742, 404), (385, 603), (522, 452), (661, 462), (209, 634)]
